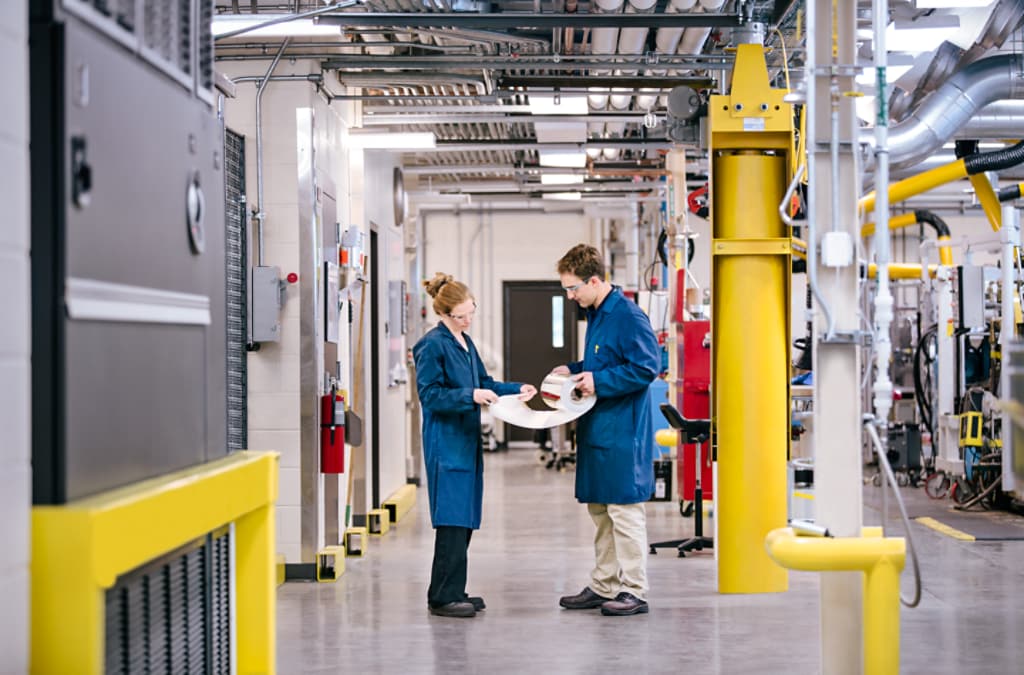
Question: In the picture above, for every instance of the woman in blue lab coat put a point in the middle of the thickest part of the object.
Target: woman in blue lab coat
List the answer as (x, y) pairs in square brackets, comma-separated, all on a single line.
[(452, 385)]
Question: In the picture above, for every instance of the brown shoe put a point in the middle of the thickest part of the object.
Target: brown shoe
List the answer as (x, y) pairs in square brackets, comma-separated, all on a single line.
[(462, 610), (624, 604), (585, 599)]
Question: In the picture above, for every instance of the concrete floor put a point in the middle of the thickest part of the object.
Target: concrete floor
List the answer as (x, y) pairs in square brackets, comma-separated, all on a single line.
[(535, 545)]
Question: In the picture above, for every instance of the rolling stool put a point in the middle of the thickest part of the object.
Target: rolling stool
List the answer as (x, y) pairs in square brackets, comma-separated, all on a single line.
[(696, 432)]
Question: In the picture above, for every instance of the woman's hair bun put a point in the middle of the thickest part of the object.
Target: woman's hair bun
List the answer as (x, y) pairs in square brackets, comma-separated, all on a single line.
[(434, 285)]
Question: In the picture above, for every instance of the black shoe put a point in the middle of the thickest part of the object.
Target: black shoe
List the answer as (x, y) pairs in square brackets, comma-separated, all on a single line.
[(585, 599), (463, 610), (624, 604), (477, 602)]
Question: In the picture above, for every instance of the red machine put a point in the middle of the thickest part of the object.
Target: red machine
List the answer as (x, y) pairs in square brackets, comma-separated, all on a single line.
[(332, 433), (695, 403)]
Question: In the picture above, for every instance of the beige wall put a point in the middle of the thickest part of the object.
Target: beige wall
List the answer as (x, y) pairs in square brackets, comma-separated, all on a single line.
[(362, 181), (484, 250), (15, 413)]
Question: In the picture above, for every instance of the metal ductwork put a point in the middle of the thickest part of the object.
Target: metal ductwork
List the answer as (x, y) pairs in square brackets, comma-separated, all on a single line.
[(998, 120), (948, 109)]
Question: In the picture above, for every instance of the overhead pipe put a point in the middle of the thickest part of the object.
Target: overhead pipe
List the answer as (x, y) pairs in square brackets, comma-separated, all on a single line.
[(949, 108), (603, 41), (261, 215), (631, 43), (693, 38)]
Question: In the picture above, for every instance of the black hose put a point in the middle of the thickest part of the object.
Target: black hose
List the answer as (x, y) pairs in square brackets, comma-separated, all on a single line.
[(997, 160), (1008, 194), (662, 248), (920, 395), (941, 228)]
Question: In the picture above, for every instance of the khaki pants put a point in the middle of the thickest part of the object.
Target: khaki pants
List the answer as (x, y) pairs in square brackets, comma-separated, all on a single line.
[(620, 549)]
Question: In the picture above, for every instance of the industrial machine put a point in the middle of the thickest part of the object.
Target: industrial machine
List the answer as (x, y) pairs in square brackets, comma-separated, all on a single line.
[(138, 505)]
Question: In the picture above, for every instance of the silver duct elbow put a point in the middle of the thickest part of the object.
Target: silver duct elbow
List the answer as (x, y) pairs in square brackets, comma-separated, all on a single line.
[(948, 109)]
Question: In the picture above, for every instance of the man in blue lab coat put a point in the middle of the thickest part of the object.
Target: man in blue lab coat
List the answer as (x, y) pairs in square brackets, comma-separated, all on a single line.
[(615, 449)]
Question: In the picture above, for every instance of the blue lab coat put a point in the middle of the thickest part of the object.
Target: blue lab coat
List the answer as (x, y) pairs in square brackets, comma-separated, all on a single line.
[(615, 449), (446, 376)]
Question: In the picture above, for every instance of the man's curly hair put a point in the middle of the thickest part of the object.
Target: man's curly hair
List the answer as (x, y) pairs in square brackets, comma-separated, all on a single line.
[(583, 261)]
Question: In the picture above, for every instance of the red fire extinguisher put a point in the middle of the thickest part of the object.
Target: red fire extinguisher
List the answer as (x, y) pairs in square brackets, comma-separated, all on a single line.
[(332, 433)]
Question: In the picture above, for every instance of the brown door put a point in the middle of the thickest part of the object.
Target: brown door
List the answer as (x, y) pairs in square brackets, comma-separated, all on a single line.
[(540, 333)]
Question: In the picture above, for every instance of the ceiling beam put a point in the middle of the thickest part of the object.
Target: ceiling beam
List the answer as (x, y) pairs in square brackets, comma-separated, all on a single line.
[(577, 81), (531, 20), (415, 117), (527, 61)]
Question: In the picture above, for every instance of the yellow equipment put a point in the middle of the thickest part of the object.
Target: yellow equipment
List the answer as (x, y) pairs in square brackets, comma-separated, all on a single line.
[(751, 143)]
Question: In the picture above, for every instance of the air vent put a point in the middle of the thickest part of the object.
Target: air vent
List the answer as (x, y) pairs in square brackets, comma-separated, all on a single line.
[(205, 46), (237, 285), (167, 35), (171, 616)]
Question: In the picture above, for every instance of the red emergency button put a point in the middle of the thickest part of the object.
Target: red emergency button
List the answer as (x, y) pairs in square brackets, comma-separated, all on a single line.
[(292, 277)]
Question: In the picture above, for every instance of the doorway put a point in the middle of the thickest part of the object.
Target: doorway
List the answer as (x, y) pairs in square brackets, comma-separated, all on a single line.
[(376, 346), (539, 334)]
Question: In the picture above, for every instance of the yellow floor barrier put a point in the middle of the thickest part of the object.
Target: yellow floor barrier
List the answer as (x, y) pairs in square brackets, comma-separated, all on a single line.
[(881, 559), (79, 550)]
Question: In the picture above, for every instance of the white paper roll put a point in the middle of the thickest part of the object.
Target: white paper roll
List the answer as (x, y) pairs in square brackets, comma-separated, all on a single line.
[(557, 391)]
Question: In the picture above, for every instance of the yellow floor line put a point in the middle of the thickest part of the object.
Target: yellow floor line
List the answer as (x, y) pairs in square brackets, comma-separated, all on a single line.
[(944, 529)]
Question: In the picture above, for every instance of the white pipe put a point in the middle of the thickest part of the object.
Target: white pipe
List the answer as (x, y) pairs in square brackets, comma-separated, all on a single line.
[(631, 40), (882, 388), (667, 39), (693, 39), (597, 98), (1009, 233), (604, 40)]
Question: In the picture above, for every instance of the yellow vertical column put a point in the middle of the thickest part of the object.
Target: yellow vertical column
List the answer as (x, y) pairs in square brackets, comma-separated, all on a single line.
[(750, 313), (751, 144)]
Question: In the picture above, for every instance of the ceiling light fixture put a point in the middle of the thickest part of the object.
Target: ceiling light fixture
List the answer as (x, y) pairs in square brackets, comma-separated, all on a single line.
[(555, 103), (565, 196), (561, 179), (380, 140), (239, 23), (562, 159)]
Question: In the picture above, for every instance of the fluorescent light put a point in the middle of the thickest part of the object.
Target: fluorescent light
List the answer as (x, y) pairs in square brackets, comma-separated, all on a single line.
[(543, 103), (560, 132), (561, 178), (562, 160), (226, 23), (381, 140), (918, 40), (565, 196), (952, 4)]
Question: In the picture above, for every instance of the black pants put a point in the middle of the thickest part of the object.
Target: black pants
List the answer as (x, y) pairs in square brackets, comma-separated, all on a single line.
[(448, 574)]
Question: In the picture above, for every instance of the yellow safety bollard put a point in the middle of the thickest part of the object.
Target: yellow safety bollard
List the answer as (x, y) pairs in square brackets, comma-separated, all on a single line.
[(881, 559)]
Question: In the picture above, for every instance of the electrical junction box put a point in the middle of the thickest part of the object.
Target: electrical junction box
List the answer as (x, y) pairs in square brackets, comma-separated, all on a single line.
[(836, 249), (267, 300)]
